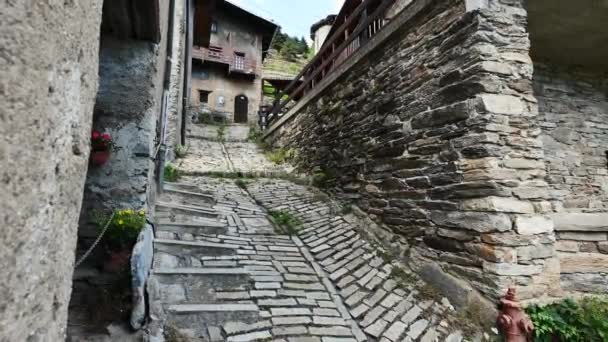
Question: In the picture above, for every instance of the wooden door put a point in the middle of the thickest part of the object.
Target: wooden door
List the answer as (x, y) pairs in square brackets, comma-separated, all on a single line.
[(241, 105)]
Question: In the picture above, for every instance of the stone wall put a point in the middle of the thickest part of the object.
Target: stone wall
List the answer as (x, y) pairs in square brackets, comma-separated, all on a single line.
[(434, 133), (48, 82), (574, 119), (128, 107)]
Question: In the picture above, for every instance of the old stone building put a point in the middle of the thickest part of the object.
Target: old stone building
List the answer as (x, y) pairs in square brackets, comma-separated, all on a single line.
[(476, 132), (227, 76)]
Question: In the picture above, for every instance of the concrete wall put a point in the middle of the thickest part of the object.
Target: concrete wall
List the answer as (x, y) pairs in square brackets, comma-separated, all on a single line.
[(48, 82), (434, 133), (574, 119)]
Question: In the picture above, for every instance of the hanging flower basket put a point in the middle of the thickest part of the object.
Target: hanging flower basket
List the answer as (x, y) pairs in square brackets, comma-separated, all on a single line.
[(101, 147), (99, 158)]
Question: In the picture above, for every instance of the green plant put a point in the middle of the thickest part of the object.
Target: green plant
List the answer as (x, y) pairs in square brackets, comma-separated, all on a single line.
[(320, 196), (405, 278), (172, 334), (123, 227), (322, 178), (254, 135), (181, 151), (241, 183), (347, 209), (205, 118), (286, 223), (171, 173), (221, 132), (281, 155), (568, 320)]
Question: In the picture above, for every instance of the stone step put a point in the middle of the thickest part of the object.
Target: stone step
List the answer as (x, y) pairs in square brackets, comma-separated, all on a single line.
[(193, 308), (201, 244), (209, 198), (208, 228), (187, 187), (201, 271), (183, 209), (182, 286)]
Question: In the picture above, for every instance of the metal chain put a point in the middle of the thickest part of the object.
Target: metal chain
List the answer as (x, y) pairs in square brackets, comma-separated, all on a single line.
[(88, 252)]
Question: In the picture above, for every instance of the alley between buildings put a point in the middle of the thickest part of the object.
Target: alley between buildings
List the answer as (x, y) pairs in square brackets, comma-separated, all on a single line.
[(223, 272)]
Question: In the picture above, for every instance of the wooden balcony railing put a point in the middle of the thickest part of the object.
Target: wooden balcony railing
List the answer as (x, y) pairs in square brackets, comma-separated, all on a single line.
[(236, 62), (354, 30)]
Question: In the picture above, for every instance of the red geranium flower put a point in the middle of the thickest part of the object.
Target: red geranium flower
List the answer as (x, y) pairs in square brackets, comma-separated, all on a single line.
[(101, 142)]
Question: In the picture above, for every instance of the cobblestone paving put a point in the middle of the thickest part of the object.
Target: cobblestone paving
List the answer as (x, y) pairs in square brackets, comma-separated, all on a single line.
[(222, 273), (207, 155), (383, 305)]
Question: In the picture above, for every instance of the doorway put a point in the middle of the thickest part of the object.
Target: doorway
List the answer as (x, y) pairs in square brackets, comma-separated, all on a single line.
[(241, 105)]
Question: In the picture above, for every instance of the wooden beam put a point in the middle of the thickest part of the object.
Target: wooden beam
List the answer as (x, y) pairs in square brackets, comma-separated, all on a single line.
[(203, 16), (145, 20)]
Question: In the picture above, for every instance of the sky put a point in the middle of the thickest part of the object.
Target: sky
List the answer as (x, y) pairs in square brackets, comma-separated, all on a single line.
[(294, 16)]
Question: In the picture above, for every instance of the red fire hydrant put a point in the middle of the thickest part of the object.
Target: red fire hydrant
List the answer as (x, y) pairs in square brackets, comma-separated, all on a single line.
[(512, 320)]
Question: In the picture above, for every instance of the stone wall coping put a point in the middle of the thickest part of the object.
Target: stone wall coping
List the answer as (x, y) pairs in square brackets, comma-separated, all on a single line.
[(392, 27), (581, 222)]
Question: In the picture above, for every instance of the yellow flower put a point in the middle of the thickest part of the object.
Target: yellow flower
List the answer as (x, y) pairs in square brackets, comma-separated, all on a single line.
[(121, 222), (142, 213)]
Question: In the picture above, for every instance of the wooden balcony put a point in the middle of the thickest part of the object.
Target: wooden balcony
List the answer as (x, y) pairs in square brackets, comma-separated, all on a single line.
[(236, 62), (358, 22)]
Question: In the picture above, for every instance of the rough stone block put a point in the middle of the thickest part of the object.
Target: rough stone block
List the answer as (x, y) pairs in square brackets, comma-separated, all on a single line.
[(498, 204), (512, 269), (583, 236), (494, 253), (532, 225), (581, 222), (583, 262), (501, 104), (476, 221), (590, 283), (521, 163), (566, 246), (441, 116), (528, 253)]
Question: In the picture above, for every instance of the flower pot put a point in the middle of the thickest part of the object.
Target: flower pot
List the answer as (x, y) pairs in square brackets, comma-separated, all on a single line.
[(99, 158), (117, 260)]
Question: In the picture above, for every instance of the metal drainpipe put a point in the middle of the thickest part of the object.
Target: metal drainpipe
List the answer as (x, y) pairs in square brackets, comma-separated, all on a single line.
[(187, 71)]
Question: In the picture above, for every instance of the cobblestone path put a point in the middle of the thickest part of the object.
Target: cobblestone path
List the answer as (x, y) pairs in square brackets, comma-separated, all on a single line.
[(222, 273), (232, 154)]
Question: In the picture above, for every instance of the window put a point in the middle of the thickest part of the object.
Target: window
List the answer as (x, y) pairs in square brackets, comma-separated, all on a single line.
[(203, 96), (214, 26), (239, 61)]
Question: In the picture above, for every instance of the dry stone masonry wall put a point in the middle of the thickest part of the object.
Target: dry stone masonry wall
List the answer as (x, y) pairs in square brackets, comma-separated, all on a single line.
[(437, 134), (574, 120)]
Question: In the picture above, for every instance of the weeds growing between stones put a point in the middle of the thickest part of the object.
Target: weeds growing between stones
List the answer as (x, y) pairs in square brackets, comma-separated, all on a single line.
[(285, 222)]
